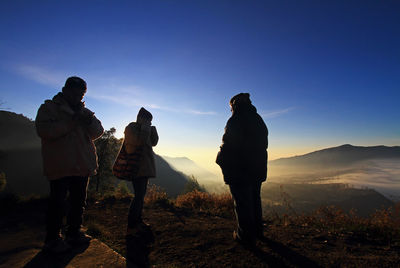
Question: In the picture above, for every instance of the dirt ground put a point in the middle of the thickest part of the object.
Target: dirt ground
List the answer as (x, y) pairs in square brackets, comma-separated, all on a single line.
[(186, 238), (182, 238)]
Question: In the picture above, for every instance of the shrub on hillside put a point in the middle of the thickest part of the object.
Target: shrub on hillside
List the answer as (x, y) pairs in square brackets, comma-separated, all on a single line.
[(386, 223), (122, 191), (383, 225), (219, 204), (156, 195), (192, 184), (107, 147)]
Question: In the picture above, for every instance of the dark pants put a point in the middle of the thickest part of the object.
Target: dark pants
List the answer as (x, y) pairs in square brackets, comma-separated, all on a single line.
[(135, 210), (58, 203), (248, 210)]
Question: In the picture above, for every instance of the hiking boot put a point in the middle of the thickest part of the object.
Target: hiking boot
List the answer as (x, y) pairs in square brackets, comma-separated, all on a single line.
[(78, 238), (56, 246)]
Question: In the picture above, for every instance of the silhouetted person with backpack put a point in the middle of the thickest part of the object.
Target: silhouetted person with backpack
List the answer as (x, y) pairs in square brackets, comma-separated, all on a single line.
[(67, 130), (135, 162), (243, 159)]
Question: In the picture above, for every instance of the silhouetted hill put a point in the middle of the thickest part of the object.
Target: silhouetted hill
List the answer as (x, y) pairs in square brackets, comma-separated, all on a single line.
[(17, 132), (21, 160), (339, 156), (376, 167), (23, 169), (309, 197), (20, 157), (206, 178), (189, 167), (167, 178)]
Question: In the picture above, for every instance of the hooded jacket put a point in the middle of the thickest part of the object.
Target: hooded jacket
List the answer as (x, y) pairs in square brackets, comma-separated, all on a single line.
[(146, 136), (243, 154), (67, 144)]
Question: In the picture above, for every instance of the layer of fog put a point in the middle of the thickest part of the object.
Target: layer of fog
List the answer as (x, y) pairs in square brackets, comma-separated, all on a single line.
[(381, 175)]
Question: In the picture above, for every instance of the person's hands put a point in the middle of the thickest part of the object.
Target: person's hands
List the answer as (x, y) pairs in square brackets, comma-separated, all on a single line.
[(84, 116)]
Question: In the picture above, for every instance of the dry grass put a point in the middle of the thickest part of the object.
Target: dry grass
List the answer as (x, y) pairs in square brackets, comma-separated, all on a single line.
[(382, 226), (328, 236), (156, 196), (196, 201), (217, 204), (187, 234)]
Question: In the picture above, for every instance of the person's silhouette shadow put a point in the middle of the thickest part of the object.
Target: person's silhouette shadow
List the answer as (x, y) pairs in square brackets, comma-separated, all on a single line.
[(138, 246), (287, 254), (44, 259)]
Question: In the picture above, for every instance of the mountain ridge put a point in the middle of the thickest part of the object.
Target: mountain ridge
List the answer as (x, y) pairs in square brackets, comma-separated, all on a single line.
[(209, 180), (341, 155), (17, 132), (21, 147), (188, 166)]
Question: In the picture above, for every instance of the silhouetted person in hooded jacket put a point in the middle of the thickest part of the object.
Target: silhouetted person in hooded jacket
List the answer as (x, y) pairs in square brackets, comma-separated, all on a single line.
[(141, 134), (67, 130), (243, 159)]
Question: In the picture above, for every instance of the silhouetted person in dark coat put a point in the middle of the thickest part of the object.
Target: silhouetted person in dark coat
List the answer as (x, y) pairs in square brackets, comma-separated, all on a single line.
[(67, 130), (243, 159)]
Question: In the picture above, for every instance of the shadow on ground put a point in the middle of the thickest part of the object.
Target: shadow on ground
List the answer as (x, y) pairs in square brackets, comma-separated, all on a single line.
[(138, 247), (288, 255), (45, 259)]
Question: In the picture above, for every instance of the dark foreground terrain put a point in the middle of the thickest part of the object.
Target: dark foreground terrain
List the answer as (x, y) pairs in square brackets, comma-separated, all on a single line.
[(192, 235), (199, 239)]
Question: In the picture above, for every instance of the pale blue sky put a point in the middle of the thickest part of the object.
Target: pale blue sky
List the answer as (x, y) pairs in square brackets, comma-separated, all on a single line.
[(321, 73)]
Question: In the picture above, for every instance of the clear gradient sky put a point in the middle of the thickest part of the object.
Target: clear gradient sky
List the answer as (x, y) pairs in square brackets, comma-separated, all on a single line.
[(321, 73)]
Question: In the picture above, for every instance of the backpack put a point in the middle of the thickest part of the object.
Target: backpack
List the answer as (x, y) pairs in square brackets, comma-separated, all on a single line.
[(126, 165)]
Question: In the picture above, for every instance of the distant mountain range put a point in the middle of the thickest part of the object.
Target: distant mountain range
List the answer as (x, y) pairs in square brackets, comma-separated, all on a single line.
[(169, 179), (212, 182), (340, 156), (189, 167), (309, 197), (372, 167), (21, 160)]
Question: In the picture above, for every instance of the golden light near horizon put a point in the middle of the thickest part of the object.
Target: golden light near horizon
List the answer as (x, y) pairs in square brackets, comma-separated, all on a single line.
[(203, 156)]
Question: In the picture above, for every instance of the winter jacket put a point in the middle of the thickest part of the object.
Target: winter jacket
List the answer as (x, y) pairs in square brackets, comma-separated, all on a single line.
[(67, 144), (146, 136), (243, 154)]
